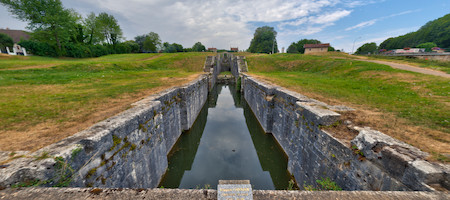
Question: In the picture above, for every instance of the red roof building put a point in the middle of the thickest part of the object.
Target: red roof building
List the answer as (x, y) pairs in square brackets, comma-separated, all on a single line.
[(16, 35), (316, 48)]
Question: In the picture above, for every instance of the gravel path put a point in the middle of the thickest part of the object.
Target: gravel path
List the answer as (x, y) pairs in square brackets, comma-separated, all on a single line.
[(409, 68)]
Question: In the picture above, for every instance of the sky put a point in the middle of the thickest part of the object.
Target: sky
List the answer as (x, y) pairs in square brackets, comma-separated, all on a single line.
[(345, 24)]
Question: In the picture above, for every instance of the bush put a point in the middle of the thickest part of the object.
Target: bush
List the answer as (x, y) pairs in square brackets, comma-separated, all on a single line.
[(122, 48), (99, 50), (39, 48), (5, 41), (77, 51)]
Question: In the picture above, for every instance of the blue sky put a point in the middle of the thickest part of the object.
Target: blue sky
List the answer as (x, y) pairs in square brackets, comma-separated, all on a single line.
[(225, 23)]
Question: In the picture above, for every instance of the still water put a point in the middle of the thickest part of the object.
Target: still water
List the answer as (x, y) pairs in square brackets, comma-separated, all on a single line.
[(226, 143)]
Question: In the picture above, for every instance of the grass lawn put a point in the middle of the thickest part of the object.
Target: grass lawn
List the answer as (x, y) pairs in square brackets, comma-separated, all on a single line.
[(406, 105), (43, 100)]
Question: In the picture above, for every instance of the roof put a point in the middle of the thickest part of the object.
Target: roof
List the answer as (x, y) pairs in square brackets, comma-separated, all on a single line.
[(16, 35), (326, 45)]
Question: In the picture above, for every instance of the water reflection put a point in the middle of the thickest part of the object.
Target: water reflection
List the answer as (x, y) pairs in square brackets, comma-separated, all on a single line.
[(221, 147)]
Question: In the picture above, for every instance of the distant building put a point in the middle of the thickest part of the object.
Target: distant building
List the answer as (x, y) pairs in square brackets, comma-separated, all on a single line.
[(212, 49), (408, 50), (316, 48), (234, 49), (16, 35), (282, 50), (437, 50)]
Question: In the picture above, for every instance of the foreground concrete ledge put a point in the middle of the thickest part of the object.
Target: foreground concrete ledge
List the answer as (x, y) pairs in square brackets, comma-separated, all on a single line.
[(97, 193)]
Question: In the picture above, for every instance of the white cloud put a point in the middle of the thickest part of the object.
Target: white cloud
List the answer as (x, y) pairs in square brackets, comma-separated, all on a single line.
[(330, 17), (362, 24), (220, 23), (373, 21), (214, 23)]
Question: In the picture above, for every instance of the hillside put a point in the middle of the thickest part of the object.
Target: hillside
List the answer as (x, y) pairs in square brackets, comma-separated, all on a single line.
[(437, 31)]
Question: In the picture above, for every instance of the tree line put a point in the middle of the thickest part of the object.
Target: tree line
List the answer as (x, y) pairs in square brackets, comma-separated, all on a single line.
[(58, 31), (434, 33), (264, 41)]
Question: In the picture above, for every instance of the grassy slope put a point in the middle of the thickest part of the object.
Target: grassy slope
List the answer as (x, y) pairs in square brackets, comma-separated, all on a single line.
[(74, 90), (419, 99)]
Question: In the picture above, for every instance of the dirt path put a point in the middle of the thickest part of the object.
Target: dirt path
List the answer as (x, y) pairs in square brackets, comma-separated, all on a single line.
[(408, 67), (31, 67)]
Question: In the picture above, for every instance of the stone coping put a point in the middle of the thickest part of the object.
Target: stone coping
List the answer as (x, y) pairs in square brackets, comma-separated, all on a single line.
[(98, 193)]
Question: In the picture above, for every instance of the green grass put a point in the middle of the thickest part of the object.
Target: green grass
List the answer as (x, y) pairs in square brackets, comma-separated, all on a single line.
[(362, 83), (432, 64), (72, 86)]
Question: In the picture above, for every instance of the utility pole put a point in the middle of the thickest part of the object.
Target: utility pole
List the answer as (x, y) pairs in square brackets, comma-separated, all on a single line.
[(273, 44), (353, 49)]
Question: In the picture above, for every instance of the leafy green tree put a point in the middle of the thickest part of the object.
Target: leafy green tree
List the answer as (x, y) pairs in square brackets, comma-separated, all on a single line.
[(297, 47), (5, 41), (292, 48), (148, 42), (198, 47), (152, 42), (92, 29), (109, 28), (264, 40), (367, 48), (436, 31), (178, 47), (134, 47), (427, 46), (48, 19)]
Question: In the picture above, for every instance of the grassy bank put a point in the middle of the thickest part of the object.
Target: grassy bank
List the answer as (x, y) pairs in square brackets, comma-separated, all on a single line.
[(43, 100), (409, 106)]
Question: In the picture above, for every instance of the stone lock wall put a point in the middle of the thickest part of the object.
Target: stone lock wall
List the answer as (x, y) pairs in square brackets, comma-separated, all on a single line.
[(127, 150), (376, 161)]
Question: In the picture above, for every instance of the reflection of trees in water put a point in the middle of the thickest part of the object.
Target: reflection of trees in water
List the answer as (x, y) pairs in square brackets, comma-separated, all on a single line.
[(183, 152), (270, 154)]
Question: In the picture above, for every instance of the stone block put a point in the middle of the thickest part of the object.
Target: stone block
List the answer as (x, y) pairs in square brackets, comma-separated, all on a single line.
[(317, 114)]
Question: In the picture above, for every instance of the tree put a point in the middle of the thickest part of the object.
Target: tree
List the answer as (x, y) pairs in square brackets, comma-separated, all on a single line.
[(198, 47), (292, 48), (5, 41), (134, 47), (148, 42), (264, 40), (436, 31), (92, 29), (109, 28), (48, 19), (427, 46), (367, 48), (178, 47), (297, 47)]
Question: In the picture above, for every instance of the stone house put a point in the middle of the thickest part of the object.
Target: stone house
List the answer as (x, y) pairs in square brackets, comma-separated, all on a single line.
[(316, 48)]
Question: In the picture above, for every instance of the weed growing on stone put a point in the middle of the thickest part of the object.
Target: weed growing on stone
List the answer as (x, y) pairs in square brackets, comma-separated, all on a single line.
[(43, 156), (324, 184)]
